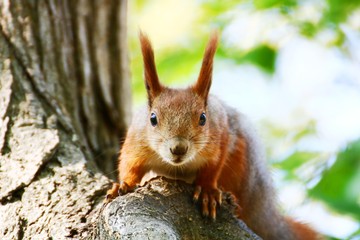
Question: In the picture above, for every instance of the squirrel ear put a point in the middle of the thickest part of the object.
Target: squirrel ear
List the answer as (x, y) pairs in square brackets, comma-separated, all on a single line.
[(202, 86), (152, 82)]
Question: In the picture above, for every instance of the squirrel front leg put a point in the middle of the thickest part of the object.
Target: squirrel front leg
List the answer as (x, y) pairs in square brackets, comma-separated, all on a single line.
[(207, 191), (206, 182), (131, 171)]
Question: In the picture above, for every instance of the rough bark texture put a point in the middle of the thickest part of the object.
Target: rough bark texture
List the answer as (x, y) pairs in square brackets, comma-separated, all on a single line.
[(64, 104), (163, 209)]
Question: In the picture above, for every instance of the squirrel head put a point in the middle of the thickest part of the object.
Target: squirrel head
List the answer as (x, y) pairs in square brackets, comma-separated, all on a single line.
[(177, 123)]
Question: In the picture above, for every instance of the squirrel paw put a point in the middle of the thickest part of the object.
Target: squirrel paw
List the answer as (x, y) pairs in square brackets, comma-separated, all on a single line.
[(117, 190), (124, 188), (112, 193), (210, 199)]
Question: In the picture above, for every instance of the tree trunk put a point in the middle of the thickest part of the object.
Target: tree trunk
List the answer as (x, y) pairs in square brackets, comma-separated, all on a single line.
[(64, 104)]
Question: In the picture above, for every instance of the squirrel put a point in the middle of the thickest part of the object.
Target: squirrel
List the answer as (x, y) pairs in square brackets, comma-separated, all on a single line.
[(191, 135)]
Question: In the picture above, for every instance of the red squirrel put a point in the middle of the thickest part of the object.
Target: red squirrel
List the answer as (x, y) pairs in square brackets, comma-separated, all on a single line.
[(191, 135)]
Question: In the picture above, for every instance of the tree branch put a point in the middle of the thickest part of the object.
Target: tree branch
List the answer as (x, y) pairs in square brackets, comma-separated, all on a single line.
[(163, 209)]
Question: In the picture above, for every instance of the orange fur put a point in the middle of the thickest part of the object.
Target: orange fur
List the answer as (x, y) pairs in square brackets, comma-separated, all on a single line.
[(219, 152), (152, 83), (203, 84), (303, 231), (234, 176)]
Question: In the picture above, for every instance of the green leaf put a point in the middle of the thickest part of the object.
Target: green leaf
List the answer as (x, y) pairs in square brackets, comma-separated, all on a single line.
[(339, 10), (263, 56), (295, 160), (355, 235), (339, 186), (264, 4), (214, 8), (308, 29), (304, 131)]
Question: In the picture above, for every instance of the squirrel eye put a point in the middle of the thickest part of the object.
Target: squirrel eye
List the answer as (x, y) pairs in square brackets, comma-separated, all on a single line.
[(202, 120), (153, 119)]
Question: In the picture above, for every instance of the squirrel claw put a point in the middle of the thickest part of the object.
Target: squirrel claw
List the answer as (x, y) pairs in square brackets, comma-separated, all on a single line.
[(117, 190), (197, 193), (112, 193), (124, 188), (213, 205), (210, 199)]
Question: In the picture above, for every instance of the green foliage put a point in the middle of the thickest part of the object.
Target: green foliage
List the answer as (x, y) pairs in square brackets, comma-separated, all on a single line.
[(339, 186), (293, 162), (308, 29), (283, 4), (338, 10), (215, 8), (298, 159), (355, 235), (308, 129), (336, 13), (263, 56), (182, 62)]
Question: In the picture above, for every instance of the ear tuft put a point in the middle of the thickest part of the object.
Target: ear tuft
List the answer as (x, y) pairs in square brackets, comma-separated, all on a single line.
[(202, 86), (152, 82)]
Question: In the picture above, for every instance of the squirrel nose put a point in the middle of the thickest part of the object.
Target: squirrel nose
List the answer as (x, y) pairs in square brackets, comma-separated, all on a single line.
[(179, 148)]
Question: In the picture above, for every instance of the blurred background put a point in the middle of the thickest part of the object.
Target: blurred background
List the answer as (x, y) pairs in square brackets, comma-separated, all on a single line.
[(292, 66)]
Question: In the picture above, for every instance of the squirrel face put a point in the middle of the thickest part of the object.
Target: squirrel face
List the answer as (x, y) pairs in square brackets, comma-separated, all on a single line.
[(177, 126)]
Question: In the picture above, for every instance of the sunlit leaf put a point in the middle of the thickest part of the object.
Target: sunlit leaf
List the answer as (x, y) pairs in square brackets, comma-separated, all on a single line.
[(355, 235), (308, 29), (262, 56), (295, 160), (339, 10), (263, 4), (307, 130), (216, 7), (339, 187), (339, 39)]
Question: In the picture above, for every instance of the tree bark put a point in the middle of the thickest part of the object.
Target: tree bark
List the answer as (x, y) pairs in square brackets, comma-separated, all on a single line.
[(64, 104), (163, 209)]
